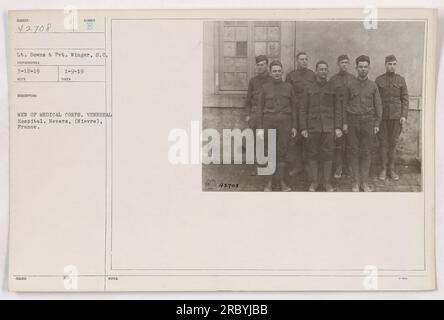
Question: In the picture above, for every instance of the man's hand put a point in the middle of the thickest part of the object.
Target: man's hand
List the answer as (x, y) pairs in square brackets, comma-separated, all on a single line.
[(338, 133), (345, 128), (247, 118), (376, 130), (402, 121), (305, 133), (294, 132)]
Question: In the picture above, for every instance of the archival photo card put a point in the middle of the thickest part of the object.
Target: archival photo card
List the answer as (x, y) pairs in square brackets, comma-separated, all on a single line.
[(141, 142)]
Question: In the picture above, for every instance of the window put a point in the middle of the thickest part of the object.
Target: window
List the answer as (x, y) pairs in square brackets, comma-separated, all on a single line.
[(267, 37), (241, 42)]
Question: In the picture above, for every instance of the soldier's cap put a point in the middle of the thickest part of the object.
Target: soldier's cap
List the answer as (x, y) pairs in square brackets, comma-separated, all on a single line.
[(343, 57), (261, 58), (275, 63), (363, 58), (390, 58)]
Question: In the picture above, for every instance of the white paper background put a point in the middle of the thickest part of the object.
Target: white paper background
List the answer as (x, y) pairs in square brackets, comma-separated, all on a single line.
[(7, 5)]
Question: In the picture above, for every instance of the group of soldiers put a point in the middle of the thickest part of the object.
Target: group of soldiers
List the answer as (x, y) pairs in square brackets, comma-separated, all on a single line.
[(321, 121)]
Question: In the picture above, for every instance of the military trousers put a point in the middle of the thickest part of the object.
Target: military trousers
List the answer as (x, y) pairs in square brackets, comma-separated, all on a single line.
[(320, 146), (360, 138), (253, 123), (341, 152), (388, 136), (282, 122)]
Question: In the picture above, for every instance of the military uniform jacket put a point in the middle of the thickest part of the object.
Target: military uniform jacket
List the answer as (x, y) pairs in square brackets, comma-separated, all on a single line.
[(320, 110), (299, 79), (340, 83), (394, 95), (277, 97), (363, 98), (254, 89)]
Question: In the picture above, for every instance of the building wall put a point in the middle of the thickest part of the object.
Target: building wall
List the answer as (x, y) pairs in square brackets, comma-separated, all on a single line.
[(326, 40)]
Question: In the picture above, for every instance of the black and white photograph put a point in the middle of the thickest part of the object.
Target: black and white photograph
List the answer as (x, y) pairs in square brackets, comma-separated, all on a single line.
[(329, 105)]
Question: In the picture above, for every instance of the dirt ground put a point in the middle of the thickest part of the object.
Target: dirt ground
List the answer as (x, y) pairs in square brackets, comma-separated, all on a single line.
[(243, 178)]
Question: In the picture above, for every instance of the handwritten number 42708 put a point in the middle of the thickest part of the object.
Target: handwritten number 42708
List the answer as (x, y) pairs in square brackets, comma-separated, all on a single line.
[(228, 185), (34, 28)]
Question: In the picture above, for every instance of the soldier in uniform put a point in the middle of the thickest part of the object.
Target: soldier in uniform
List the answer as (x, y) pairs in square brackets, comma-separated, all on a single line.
[(320, 118), (277, 111), (299, 79), (395, 101), (340, 81), (254, 88), (363, 117)]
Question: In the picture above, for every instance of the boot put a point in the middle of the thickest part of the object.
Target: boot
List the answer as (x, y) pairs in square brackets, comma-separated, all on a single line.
[(393, 174), (281, 174), (285, 187), (354, 164), (383, 174), (365, 168), (348, 171), (338, 173), (338, 162), (365, 187), (327, 174), (391, 164), (269, 186), (313, 175), (355, 187), (313, 187)]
